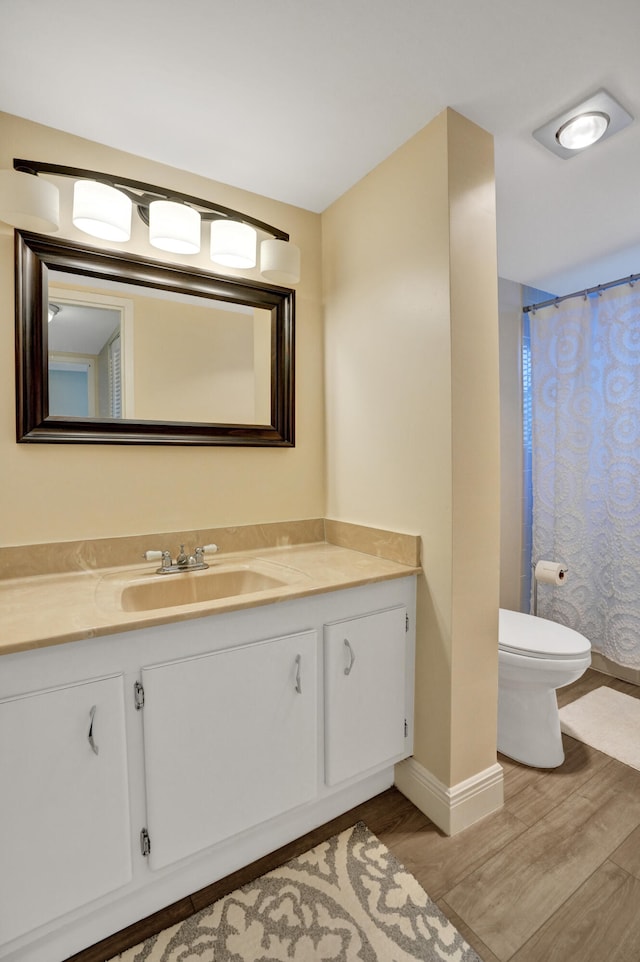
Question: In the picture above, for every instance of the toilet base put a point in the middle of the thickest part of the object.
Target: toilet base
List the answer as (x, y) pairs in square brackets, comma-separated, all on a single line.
[(529, 726)]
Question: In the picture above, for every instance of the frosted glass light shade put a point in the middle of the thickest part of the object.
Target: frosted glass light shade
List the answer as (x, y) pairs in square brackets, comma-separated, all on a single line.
[(233, 244), (29, 202), (583, 130), (101, 211), (174, 227), (280, 261)]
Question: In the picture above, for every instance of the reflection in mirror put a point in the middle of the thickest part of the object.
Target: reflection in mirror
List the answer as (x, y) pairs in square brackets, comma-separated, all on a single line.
[(85, 356), (155, 355), (111, 347)]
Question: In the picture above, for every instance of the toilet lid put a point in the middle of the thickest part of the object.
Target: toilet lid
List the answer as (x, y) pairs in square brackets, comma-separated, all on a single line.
[(539, 637)]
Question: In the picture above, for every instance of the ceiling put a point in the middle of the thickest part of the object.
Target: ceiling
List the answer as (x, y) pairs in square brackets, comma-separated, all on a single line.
[(299, 99), (81, 329)]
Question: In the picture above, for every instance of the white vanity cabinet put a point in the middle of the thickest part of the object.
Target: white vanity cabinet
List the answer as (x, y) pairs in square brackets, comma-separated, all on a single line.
[(64, 801), (364, 692), (229, 742), (219, 739)]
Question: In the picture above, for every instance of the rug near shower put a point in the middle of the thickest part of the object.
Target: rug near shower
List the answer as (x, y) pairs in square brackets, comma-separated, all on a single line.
[(346, 899), (608, 720)]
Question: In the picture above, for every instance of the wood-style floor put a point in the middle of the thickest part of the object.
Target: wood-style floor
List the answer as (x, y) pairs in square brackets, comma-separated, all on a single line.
[(554, 876)]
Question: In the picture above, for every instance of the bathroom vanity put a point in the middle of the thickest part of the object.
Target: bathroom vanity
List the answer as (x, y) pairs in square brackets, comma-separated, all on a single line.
[(160, 750)]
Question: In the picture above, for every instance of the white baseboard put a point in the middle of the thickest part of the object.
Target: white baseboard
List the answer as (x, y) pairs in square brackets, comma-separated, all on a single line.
[(452, 809)]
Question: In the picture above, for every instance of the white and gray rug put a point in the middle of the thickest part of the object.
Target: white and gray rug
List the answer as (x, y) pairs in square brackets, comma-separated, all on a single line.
[(346, 899), (607, 720)]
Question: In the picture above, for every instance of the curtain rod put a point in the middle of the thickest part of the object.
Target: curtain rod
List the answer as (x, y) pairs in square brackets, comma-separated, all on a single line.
[(598, 289)]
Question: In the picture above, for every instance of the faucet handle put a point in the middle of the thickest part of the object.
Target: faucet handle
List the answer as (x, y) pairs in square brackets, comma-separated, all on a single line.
[(163, 556), (200, 552)]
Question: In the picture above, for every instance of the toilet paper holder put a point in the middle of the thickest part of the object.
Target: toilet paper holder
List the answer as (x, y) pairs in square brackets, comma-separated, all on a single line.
[(548, 573)]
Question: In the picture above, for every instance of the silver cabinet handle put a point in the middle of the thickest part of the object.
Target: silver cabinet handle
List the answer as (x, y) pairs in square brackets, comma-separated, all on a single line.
[(92, 715), (298, 675), (352, 657)]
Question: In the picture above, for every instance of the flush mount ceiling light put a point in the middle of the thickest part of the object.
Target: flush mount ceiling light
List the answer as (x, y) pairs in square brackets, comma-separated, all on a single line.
[(583, 130), (588, 123), (103, 205)]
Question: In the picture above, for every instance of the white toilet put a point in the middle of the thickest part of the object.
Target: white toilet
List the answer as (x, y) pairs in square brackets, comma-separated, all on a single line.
[(535, 657)]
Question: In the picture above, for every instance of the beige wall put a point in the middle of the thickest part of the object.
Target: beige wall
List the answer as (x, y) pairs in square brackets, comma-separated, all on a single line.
[(411, 347), (190, 361), (411, 385), (54, 492)]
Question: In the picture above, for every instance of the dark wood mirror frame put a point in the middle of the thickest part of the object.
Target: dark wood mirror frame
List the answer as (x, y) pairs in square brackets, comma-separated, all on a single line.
[(36, 254)]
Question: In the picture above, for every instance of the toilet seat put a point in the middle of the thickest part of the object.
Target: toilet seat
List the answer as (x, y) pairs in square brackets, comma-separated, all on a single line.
[(533, 637)]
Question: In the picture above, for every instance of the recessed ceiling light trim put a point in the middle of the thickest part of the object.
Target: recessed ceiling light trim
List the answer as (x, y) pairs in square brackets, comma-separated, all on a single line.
[(583, 130), (553, 135)]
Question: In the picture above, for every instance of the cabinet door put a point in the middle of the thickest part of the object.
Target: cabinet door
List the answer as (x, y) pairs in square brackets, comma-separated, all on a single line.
[(229, 740), (64, 807), (365, 664)]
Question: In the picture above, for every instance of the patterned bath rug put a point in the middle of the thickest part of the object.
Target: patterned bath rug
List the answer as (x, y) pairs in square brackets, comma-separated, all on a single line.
[(347, 899), (607, 720)]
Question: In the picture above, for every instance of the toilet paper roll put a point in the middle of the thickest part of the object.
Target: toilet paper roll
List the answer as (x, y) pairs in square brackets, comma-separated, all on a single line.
[(550, 573)]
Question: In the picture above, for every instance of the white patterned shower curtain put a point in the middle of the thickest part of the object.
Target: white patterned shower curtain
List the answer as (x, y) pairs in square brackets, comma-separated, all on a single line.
[(585, 434)]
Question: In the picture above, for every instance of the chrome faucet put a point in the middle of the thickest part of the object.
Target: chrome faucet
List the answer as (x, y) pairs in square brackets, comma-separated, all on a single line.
[(183, 562)]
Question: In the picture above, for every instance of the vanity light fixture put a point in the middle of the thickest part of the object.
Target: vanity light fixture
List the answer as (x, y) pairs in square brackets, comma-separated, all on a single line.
[(103, 204), (233, 244), (53, 310), (588, 123), (174, 227), (101, 211)]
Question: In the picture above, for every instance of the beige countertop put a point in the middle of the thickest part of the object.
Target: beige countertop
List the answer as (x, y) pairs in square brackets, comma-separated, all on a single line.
[(50, 609)]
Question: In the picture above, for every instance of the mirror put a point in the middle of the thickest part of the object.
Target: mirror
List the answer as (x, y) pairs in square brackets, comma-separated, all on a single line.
[(114, 348)]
